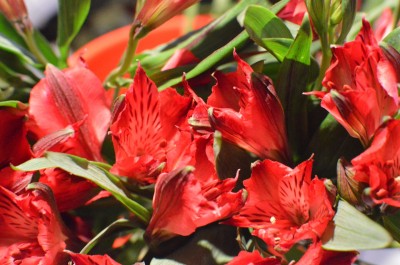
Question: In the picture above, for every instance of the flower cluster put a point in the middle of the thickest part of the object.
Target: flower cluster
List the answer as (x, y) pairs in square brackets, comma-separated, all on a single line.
[(256, 142)]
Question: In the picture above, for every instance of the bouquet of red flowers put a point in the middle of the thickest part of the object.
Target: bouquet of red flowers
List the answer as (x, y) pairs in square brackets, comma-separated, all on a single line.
[(267, 135)]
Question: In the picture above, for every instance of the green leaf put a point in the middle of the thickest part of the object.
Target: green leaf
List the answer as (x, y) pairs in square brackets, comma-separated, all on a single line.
[(13, 104), (327, 149), (83, 168), (45, 48), (392, 224), (267, 30), (8, 31), (229, 158), (117, 226), (71, 16), (393, 39), (13, 48), (211, 60), (355, 231), (294, 75), (349, 14), (278, 47)]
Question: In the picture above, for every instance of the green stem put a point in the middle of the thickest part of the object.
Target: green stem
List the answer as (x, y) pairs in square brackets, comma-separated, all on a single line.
[(33, 48), (129, 54), (326, 59)]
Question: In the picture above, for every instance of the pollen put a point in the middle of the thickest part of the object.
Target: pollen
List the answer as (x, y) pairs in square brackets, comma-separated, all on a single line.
[(272, 220)]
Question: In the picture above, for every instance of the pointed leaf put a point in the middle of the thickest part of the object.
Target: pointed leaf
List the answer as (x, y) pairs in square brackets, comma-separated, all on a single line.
[(355, 231), (13, 104), (83, 168), (10, 47), (294, 76), (117, 226), (262, 25), (71, 16), (349, 14), (392, 224), (393, 39)]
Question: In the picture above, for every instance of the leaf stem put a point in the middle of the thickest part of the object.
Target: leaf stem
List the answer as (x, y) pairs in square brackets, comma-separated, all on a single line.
[(33, 48), (129, 54)]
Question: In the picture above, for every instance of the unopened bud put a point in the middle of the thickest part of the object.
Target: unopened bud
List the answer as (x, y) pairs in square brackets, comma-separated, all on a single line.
[(15, 11)]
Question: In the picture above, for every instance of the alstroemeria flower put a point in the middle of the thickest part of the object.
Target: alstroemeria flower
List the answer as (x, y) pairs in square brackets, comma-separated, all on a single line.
[(253, 258), (68, 112), (379, 167), (15, 11), (284, 205), (182, 202), (148, 128), (362, 86), (31, 230), (259, 124), (155, 12), (14, 149), (191, 197)]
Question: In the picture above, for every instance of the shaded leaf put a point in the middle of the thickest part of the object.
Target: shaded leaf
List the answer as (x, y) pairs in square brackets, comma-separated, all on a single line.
[(355, 231), (294, 75), (88, 170), (392, 224)]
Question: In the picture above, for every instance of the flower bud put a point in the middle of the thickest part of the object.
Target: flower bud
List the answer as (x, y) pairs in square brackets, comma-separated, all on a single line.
[(349, 189), (15, 11), (155, 12)]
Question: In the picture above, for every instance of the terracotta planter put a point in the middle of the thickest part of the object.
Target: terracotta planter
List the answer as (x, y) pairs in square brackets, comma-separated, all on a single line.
[(103, 53)]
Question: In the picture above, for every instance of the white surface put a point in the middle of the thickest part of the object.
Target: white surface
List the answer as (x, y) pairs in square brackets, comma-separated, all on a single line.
[(40, 11), (381, 256)]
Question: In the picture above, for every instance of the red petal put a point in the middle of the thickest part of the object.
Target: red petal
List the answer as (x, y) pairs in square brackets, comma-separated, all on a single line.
[(136, 131), (253, 258), (65, 98), (82, 259)]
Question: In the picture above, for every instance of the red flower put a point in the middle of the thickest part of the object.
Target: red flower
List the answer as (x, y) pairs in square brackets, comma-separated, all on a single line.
[(82, 259), (362, 86), (31, 232), (68, 113), (259, 124), (182, 202), (284, 205), (379, 165), (294, 11), (147, 129), (74, 97), (316, 255), (14, 149), (253, 258)]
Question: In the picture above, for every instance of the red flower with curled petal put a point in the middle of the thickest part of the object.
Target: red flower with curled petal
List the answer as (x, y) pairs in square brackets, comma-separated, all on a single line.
[(284, 205), (191, 197), (379, 165), (68, 112), (259, 124), (182, 202), (32, 231), (362, 86)]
